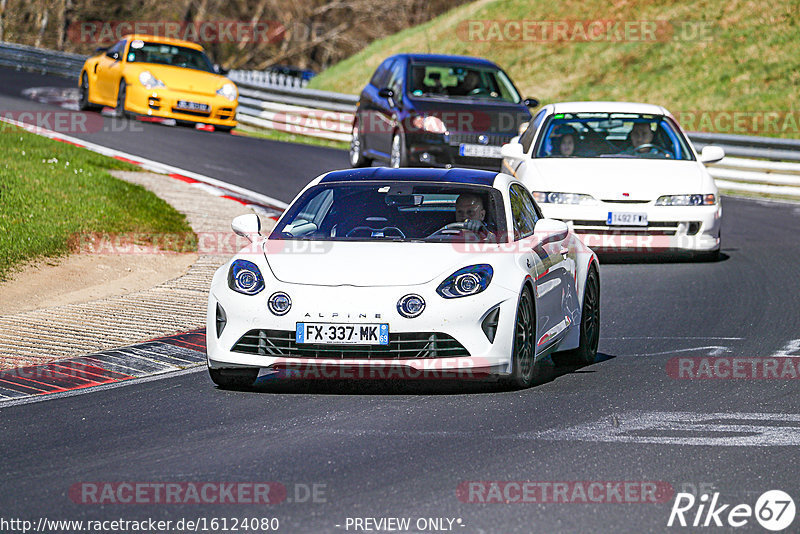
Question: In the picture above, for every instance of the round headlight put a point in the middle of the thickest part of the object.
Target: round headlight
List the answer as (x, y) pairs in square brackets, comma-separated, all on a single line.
[(468, 283), (411, 306), (279, 303)]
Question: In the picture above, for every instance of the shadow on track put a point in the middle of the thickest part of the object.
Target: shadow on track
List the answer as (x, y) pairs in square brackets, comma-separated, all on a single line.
[(548, 372)]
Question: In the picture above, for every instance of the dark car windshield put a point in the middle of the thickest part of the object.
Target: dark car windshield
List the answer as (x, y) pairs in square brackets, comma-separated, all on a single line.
[(439, 80), (166, 54), (612, 135), (391, 211)]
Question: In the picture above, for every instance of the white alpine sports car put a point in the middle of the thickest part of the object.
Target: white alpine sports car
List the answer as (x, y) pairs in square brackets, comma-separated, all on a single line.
[(403, 273), (622, 175)]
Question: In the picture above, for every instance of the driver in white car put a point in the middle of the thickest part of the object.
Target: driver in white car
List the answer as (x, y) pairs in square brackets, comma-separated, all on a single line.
[(471, 212), (642, 141)]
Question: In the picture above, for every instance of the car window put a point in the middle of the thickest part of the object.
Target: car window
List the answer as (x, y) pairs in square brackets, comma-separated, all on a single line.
[(116, 49), (472, 82), (166, 54), (381, 75), (523, 212), (397, 73), (394, 211), (530, 133)]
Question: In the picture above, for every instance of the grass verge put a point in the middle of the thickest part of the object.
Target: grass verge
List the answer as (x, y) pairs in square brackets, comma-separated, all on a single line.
[(52, 194)]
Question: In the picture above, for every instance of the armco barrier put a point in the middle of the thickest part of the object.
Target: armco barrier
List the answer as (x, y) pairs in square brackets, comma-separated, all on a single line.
[(328, 115)]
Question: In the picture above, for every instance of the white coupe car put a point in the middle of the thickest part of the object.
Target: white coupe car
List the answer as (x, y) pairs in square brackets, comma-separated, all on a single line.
[(622, 175), (403, 273)]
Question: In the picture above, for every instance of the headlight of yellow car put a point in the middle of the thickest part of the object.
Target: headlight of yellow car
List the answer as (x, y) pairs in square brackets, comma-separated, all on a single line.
[(150, 81), (228, 91)]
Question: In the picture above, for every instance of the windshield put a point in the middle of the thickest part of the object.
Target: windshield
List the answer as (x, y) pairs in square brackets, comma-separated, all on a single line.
[(462, 81), (395, 211), (164, 54), (612, 135)]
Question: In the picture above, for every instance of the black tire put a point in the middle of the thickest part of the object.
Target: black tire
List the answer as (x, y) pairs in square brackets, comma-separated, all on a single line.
[(523, 366), (357, 158), (122, 94), (398, 156), (586, 353), (83, 94), (233, 378)]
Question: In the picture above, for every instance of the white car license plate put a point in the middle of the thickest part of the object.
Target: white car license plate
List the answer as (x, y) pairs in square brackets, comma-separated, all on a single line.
[(620, 218), (479, 151), (192, 106), (342, 333)]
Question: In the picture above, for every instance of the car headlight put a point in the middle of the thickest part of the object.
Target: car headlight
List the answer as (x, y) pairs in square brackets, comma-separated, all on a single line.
[(467, 281), (411, 306), (429, 123), (150, 81), (228, 91), (562, 198), (245, 277), (279, 303), (686, 200)]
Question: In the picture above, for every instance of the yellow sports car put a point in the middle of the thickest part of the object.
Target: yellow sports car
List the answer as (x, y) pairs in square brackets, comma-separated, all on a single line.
[(159, 77)]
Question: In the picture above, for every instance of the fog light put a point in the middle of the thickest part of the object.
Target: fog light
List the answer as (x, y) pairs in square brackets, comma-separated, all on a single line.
[(411, 306), (279, 303)]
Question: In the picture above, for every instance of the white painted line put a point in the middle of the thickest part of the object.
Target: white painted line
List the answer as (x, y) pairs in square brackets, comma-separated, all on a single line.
[(713, 350), (148, 164), (685, 428)]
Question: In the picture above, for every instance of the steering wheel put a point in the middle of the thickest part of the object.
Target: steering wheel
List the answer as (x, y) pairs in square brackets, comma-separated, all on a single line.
[(371, 231), (650, 146), (457, 228)]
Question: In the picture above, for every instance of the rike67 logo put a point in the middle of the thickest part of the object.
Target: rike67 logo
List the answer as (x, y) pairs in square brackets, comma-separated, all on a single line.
[(774, 510)]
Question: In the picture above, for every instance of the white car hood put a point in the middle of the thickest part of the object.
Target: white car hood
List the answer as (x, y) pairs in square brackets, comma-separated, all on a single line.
[(365, 263), (609, 178)]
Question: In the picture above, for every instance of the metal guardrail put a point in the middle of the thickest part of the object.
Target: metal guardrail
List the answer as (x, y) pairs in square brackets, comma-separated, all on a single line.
[(329, 115), (265, 78), (23, 57)]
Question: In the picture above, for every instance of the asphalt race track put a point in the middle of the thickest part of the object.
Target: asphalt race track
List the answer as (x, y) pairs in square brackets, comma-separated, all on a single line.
[(387, 450)]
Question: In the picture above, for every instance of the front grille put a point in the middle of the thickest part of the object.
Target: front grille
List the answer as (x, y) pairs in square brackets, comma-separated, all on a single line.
[(601, 227), (472, 139), (618, 201), (402, 346), (189, 112)]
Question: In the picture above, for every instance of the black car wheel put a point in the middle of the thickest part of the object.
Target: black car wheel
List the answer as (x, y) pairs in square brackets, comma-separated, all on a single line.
[(586, 353), (357, 158), (122, 94), (398, 156), (523, 364), (83, 94), (233, 378)]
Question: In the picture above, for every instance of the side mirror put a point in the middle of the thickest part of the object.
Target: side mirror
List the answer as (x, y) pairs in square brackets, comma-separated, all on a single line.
[(711, 154), (113, 55), (386, 93), (219, 70), (248, 226), (550, 231), (531, 102), (512, 151)]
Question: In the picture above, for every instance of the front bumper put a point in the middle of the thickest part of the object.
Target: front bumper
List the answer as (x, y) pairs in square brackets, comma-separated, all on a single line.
[(669, 228), (458, 320), (437, 150), (162, 103)]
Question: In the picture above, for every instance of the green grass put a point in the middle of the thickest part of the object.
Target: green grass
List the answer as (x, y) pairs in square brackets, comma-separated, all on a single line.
[(748, 62), (52, 194), (277, 135)]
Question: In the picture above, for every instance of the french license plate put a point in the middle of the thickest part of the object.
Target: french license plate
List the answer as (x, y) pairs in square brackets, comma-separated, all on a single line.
[(342, 333), (192, 106), (620, 218), (479, 151)]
